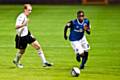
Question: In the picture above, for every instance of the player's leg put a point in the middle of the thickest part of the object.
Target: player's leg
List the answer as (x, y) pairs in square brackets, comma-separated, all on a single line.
[(21, 46), (84, 60), (37, 46), (85, 57), (78, 49), (17, 58), (19, 55)]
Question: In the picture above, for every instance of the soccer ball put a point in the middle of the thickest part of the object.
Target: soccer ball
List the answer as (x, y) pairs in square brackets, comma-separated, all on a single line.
[(75, 72)]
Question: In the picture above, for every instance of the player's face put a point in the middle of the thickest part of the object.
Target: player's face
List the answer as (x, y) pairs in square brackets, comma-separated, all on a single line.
[(28, 10), (80, 16)]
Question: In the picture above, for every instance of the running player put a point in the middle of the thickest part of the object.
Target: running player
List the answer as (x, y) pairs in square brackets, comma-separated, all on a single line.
[(77, 37), (24, 37)]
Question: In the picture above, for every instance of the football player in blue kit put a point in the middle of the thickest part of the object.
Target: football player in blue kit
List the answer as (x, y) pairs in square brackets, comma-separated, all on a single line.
[(77, 37)]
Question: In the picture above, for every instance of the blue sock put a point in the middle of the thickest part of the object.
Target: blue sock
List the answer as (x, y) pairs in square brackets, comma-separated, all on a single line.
[(84, 58)]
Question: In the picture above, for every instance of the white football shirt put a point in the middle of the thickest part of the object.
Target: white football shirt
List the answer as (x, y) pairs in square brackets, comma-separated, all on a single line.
[(23, 31)]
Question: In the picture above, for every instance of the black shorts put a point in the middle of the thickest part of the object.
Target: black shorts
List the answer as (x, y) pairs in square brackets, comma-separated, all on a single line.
[(21, 42)]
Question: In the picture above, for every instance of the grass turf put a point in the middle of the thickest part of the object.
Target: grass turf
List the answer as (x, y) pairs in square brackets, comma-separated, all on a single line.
[(47, 25)]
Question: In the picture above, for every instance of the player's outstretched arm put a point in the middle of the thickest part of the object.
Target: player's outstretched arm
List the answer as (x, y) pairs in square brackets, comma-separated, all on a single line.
[(65, 30)]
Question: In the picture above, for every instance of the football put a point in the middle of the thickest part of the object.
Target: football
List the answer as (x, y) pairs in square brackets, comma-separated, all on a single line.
[(75, 72)]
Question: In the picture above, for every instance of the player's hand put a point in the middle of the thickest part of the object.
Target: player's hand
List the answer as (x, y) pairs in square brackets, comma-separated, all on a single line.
[(85, 27), (65, 37), (25, 23)]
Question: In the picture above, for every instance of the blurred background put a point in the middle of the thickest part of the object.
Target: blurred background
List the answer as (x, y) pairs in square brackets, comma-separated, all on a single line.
[(47, 23), (60, 1)]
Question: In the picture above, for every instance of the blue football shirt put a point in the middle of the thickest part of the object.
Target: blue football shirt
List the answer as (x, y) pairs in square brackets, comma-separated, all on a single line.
[(77, 29)]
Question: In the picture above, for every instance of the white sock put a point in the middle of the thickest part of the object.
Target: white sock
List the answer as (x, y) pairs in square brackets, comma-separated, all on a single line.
[(41, 54)]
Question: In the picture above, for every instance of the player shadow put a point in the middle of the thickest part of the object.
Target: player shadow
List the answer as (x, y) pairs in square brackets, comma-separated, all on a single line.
[(7, 67), (12, 67)]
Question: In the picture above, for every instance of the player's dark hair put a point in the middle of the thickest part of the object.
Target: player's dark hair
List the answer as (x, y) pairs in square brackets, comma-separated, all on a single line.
[(80, 12)]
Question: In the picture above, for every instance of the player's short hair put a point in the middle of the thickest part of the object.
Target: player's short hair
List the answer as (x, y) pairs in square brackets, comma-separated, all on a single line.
[(26, 5), (80, 11)]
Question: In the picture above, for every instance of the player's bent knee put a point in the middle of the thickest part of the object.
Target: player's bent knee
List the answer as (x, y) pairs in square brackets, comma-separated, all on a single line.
[(37, 48), (36, 45)]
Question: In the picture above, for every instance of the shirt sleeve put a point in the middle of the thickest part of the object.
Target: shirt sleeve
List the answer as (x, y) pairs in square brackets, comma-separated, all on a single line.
[(88, 24), (69, 24)]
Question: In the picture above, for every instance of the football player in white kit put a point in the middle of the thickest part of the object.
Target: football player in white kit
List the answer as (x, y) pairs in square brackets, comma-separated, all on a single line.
[(77, 37), (24, 37)]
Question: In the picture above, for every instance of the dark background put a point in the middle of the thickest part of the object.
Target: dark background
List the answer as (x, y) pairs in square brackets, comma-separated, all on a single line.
[(48, 1)]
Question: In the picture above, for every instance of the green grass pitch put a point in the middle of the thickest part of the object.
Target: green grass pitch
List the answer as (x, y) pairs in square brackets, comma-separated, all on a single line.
[(47, 24)]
